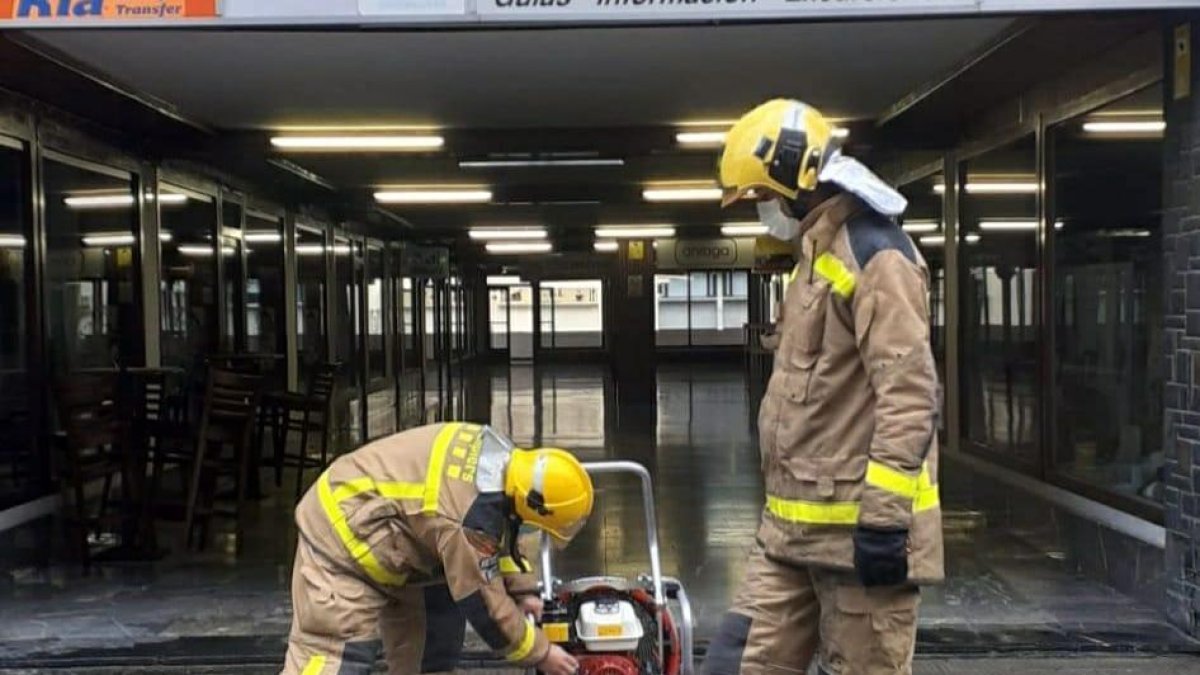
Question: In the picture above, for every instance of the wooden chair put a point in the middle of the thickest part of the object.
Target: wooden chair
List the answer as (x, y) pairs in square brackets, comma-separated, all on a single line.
[(308, 414), (89, 447), (231, 401)]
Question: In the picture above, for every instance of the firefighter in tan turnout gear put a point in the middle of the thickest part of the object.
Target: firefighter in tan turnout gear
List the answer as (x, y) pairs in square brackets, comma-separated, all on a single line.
[(406, 539), (852, 523)]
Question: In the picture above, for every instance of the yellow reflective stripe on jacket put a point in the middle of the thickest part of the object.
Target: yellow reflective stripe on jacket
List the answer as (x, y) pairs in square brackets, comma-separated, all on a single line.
[(925, 497), (522, 650), (358, 549), (314, 666), (927, 492), (890, 480), (815, 513), (388, 489), (510, 566), (437, 464), (831, 268)]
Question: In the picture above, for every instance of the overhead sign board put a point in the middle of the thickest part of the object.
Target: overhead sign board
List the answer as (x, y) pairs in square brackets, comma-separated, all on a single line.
[(411, 7), (118, 10), (429, 262), (485, 13), (668, 10), (697, 254)]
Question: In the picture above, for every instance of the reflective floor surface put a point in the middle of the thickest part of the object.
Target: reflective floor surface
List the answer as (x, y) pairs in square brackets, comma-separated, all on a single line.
[(1000, 596)]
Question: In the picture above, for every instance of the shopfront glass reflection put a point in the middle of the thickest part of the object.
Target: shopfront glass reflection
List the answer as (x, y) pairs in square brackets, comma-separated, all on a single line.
[(1108, 301), (92, 271), (21, 474), (1000, 309)]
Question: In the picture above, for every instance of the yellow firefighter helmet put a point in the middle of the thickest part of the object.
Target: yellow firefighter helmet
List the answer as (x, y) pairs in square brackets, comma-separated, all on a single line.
[(780, 146), (551, 490)]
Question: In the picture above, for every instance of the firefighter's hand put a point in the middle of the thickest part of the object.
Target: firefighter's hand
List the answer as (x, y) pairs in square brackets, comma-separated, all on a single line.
[(881, 556), (531, 605), (558, 662)]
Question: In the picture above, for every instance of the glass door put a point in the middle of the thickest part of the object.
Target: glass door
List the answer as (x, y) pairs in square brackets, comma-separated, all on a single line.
[(232, 272), (188, 279), (348, 334), (381, 382), (311, 331)]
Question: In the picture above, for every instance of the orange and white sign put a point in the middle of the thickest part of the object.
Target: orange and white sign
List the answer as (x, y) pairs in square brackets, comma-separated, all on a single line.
[(128, 10)]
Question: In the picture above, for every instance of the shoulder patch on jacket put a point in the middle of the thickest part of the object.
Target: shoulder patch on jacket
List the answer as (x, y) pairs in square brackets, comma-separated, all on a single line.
[(485, 522), (871, 233)]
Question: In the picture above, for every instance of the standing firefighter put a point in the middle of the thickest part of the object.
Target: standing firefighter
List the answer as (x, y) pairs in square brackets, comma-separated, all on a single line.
[(406, 539), (852, 523)]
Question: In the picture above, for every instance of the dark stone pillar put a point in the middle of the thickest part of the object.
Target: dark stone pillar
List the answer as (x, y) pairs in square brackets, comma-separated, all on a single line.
[(632, 335), (1181, 340)]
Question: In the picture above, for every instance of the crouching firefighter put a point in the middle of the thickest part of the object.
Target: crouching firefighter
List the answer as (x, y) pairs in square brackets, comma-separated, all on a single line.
[(406, 539), (852, 522)]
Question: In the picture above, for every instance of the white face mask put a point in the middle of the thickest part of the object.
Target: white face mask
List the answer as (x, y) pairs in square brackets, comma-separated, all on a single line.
[(779, 224)]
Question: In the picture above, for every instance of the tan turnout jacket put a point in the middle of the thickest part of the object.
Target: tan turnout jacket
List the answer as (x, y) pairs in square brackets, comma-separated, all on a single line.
[(409, 509), (847, 426)]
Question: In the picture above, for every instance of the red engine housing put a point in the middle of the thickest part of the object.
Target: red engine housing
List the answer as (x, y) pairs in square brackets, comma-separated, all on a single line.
[(607, 664)]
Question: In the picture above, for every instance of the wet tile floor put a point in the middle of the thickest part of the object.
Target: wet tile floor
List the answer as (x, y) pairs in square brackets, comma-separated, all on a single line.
[(199, 607)]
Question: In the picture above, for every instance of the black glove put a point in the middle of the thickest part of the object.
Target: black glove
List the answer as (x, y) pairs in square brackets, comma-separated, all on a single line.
[(881, 556)]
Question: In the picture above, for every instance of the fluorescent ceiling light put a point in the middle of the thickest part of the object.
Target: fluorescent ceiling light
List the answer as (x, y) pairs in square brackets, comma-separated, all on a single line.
[(938, 240), (103, 201), (1008, 225), (503, 280), (700, 137), (715, 138), (743, 229), (1121, 234), (360, 143), (1013, 225), (433, 196), (12, 241), (996, 187), (520, 247), (1126, 127), (921, 226), (500, 233), (694, 194), (635, 231), (608, 246), (265, 237), (196, 249), (109, 240), (531, 163)]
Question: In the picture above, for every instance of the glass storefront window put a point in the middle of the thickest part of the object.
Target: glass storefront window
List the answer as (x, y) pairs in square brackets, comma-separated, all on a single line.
[(376, 353), (21, 472), (92, 306), (1108, 301), (188, 285), (311, 341), (573, 314), (498, 318), (1000, 299), (701, 308), (264, 284), (234, 275), (348, 333)]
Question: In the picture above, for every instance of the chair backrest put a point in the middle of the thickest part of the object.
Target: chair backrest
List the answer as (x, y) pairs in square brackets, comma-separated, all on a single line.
[(230, 402), (87, 409), (323, 382)]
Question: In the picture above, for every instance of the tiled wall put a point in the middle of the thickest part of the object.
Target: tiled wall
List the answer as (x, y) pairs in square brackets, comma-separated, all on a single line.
[(1181, 252)]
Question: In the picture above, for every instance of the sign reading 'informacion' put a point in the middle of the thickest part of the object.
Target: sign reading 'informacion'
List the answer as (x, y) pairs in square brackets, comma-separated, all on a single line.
[(129, 10), (530, 9)]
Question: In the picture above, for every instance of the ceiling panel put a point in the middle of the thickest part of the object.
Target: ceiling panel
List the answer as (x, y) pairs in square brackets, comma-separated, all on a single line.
[(535, 78)]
